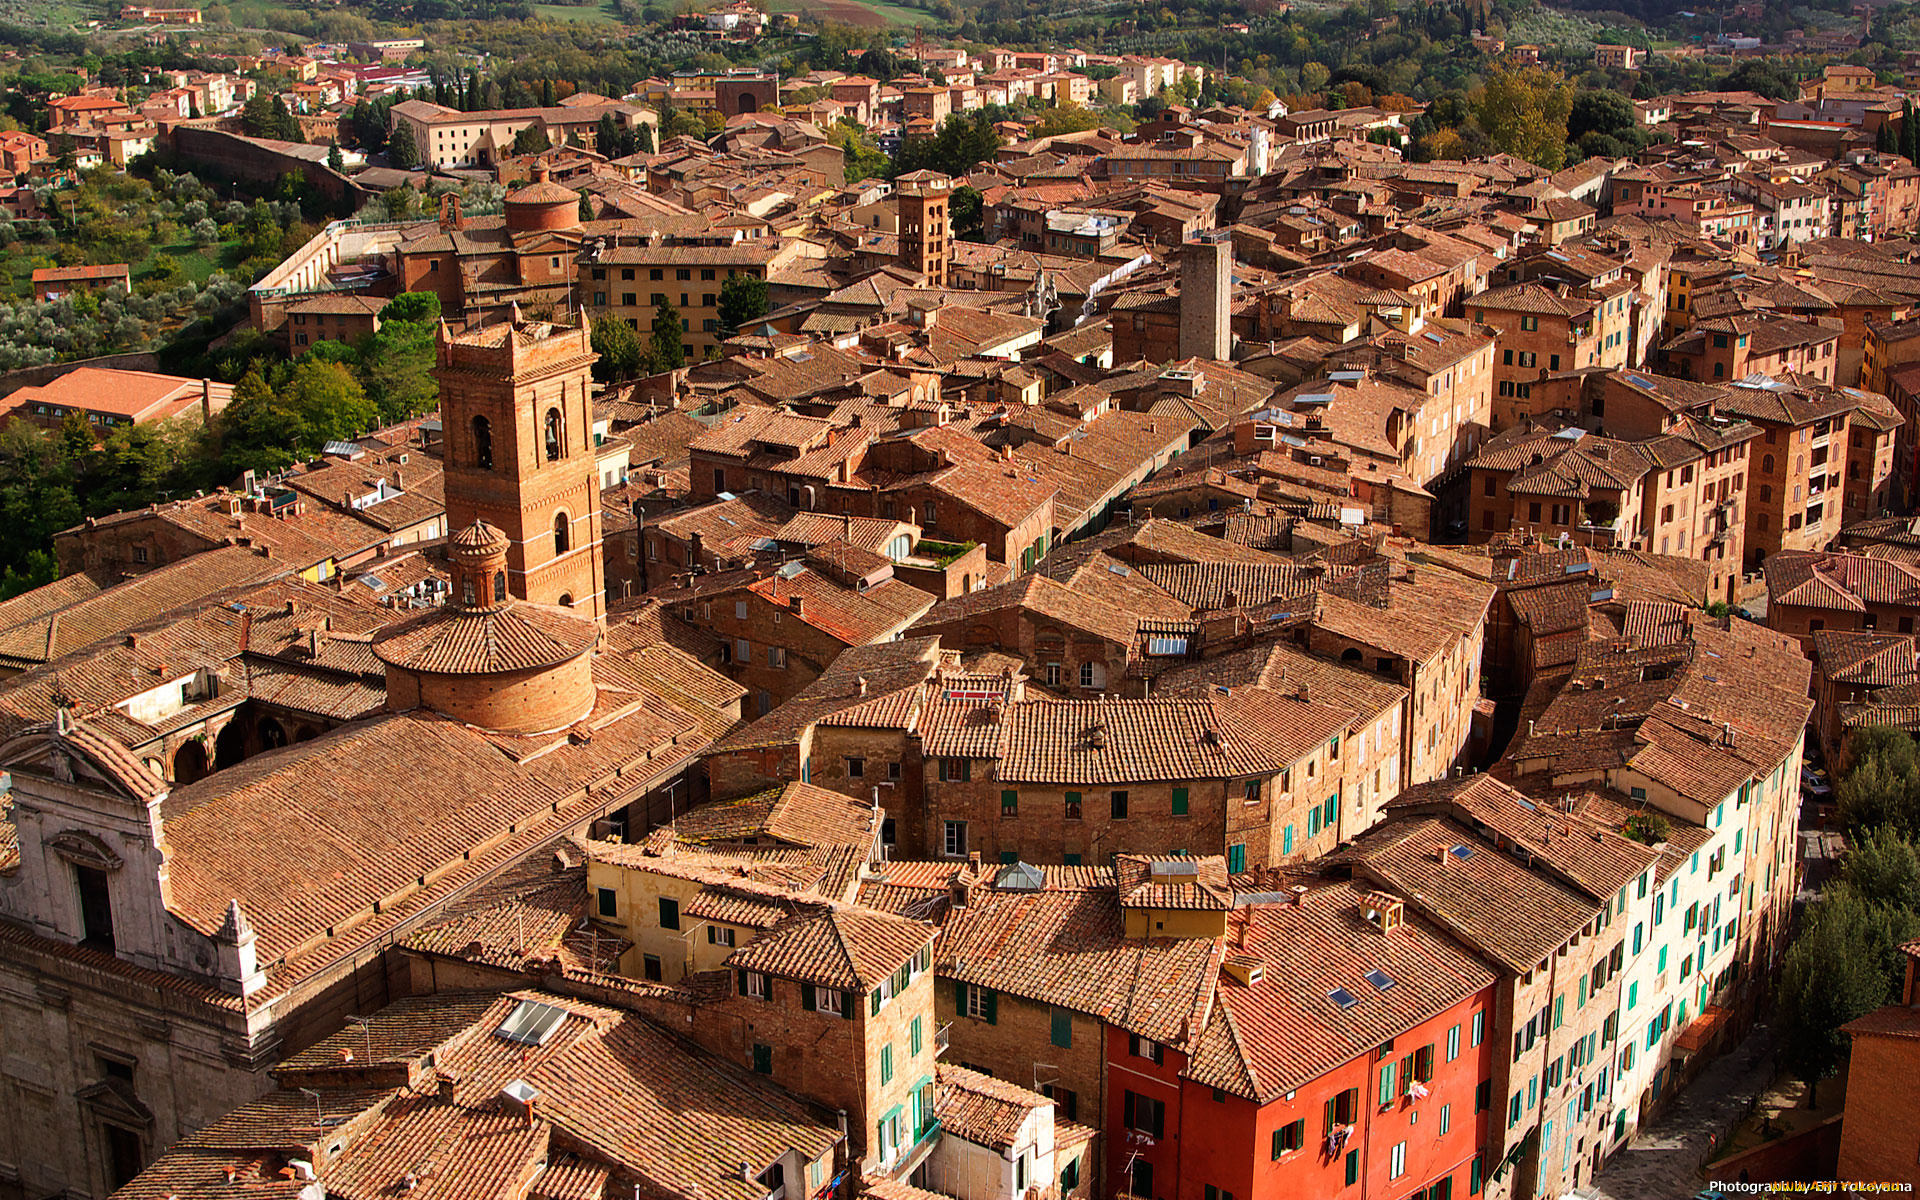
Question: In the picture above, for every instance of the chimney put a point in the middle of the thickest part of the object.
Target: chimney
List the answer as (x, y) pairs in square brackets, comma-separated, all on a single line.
[(1296, 895), (795, 603)]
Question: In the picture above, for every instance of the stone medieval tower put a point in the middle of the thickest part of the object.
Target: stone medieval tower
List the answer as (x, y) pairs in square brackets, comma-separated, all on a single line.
[(516, 403)]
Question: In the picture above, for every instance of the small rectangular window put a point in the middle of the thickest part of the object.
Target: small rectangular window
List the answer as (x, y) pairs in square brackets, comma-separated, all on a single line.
[(609, 903), (669, 913)]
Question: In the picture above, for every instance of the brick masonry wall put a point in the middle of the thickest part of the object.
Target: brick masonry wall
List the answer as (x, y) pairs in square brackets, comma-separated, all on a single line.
[(1881, 1138)]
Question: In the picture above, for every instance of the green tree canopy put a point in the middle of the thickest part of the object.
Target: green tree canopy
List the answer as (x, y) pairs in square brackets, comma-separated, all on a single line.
[(1525, 113), (1881, 789), (962, 142), (667, 352), (743, 299), (619, 350), (1595, 111), (402, 151), (1833, 973)]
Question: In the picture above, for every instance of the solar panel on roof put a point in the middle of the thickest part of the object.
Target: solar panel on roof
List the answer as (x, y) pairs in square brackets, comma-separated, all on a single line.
[(1462, 851), (1379, 979), (1343, 997), (1526, 803), (789, 570), (1117, 569)]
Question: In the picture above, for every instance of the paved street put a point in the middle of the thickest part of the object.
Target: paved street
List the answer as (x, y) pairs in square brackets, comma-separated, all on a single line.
[(1663, 1163)]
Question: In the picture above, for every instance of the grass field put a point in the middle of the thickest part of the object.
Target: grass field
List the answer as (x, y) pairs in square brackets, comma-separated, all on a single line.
[(602, 13), (196, 262), (857, 12)]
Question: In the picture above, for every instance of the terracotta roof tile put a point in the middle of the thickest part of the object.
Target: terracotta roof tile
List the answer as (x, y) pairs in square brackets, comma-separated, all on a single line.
[(852, 949)]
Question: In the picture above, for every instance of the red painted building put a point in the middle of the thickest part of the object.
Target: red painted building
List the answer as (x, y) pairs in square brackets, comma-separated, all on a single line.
[(1346, 1054)]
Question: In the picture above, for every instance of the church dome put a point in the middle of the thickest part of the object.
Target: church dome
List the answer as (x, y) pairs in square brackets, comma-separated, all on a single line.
[(542, 204), (486, 658)]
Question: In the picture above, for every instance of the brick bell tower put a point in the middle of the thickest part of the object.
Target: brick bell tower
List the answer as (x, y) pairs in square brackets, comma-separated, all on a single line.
[(517, 411)]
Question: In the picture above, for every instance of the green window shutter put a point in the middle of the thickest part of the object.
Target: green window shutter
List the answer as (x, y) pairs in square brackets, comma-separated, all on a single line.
[(1063, 1028), (873, 1003), (847, 1005), (1386, 1083), (712, 937), (1353, 1167), (993, 1008), (1559, 1010), (1333, 809), (1237, 856), (743, 981), (1276, 1145), (913, 1037), (959, 999), (808, 997), (1286, 840), (1473, 1177), (1009, 802), (1180, 802)]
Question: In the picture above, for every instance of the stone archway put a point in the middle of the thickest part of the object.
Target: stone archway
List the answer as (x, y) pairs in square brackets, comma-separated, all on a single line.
[(273, 735), (231, 746), (189, 763)]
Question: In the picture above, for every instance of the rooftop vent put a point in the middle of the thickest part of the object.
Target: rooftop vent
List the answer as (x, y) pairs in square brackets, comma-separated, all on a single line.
[(1244, 968)]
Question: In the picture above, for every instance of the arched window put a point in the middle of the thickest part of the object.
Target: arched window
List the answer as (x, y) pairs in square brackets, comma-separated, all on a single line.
[(272, 734), (556, 434), (482, 444), (466, 593), (1766, 464), (1766, 491), (562, 533), (566, 599), (499, 587)]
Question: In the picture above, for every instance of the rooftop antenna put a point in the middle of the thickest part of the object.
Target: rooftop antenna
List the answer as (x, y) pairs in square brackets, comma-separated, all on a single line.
[(366, 1027), (317, 1118)]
